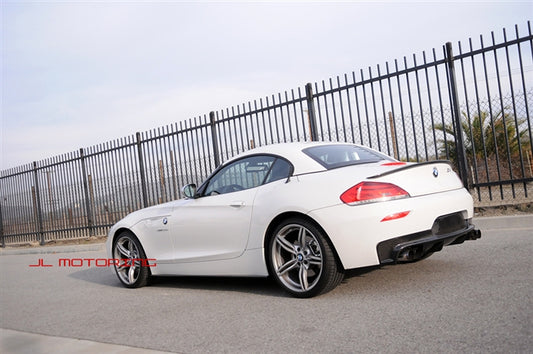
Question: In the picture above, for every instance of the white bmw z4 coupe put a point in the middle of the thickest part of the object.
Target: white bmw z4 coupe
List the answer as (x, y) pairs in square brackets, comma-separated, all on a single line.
[(302, 213)]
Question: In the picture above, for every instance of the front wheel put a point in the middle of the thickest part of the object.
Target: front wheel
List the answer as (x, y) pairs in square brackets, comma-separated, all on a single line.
[(301, 259), (129, 255)]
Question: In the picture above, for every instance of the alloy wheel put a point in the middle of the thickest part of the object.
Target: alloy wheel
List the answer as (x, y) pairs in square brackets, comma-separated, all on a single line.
[(297, 258)]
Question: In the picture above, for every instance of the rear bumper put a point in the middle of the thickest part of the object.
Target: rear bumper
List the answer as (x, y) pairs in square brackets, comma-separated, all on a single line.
[(416, 246)]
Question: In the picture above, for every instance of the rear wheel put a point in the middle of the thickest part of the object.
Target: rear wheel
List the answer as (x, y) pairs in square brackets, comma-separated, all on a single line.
[(301, 260), (129, 255)]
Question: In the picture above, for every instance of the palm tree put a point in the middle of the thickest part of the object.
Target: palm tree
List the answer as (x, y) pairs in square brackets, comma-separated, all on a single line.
[(486, 139)]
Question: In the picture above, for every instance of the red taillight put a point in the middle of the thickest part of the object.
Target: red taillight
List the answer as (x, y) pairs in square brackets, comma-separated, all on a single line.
[(371, 192), (394, 163)]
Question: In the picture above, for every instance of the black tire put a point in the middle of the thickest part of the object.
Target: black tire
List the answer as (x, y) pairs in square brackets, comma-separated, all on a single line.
[(132, 269), (301, 259)]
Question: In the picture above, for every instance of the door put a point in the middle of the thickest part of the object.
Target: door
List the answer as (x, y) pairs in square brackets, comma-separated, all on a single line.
[(216, 225)]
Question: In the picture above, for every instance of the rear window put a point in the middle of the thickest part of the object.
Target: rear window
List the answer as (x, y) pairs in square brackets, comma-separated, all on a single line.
[(333, 156)]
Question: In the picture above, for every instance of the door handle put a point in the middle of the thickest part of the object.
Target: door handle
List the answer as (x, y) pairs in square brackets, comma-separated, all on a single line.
[(237, 204)]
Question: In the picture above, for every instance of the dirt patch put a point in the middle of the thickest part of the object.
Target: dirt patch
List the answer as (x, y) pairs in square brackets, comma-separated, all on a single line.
[(503, 210)]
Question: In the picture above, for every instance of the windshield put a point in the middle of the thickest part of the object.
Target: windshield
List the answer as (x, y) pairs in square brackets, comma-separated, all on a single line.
[(333, 156)]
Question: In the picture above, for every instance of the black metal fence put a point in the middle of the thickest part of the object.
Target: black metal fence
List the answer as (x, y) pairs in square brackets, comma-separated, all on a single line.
[(471, 106)]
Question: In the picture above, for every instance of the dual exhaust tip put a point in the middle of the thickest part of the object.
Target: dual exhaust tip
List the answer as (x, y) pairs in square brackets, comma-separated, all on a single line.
[(417, 252)]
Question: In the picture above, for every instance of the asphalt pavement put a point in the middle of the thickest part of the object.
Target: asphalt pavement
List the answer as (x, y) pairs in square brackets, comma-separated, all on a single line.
[(474, 298)]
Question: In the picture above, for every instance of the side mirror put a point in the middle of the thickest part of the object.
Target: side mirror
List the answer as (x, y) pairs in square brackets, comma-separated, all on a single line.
[(189, 191)]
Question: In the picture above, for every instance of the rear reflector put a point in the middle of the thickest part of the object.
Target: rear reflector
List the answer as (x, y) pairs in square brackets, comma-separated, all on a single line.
[(371, 192), (395, 216)]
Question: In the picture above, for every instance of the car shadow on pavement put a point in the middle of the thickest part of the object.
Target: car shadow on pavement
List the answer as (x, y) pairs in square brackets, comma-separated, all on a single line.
[(359, 272), (96, 275), (260, 286)]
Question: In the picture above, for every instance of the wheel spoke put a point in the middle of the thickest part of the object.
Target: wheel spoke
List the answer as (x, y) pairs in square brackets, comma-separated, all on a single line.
[(286, 245), (131, 275), (316, 260), (284, 268), (303, 278), (123, 251), (122, 265), (131, 248), (301, 236)]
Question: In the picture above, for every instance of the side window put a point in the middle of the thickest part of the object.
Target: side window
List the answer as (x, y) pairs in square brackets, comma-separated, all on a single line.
[(245, 173), (280, 170)]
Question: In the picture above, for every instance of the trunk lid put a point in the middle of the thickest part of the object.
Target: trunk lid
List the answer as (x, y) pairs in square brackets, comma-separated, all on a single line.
[(421, 178)]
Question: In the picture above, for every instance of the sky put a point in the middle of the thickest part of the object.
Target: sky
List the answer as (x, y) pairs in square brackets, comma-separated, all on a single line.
[(81, 73)]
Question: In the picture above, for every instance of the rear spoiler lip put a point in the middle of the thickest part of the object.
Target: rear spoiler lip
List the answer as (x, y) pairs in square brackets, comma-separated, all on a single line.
[(409, 167)]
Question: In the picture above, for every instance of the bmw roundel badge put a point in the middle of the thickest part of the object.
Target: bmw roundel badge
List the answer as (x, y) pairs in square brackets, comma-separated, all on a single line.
[(435, 172)]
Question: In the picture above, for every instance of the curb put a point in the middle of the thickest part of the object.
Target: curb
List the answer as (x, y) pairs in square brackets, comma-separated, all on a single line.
[(53, 249), (12, 341)]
